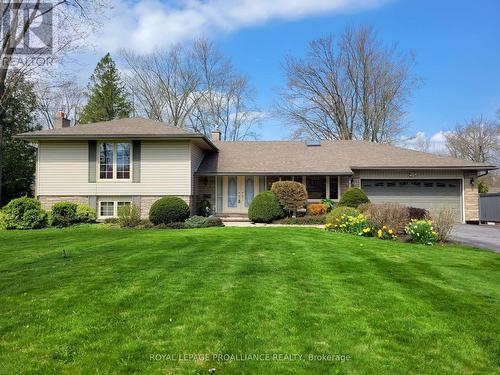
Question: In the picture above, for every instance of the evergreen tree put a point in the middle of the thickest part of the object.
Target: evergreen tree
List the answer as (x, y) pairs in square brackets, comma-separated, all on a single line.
[(107, 97), (19, 161)]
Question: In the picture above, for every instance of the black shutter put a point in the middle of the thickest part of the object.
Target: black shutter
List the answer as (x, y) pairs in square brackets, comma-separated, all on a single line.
[(92, 160), (136, 161)]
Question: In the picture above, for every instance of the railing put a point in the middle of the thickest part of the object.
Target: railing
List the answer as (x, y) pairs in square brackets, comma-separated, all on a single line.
[(489, 207)]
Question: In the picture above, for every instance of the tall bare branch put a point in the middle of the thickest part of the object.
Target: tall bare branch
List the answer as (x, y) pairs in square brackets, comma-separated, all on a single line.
[(350, 88)]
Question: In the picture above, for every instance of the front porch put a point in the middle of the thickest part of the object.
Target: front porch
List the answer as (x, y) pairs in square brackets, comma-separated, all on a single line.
[(232, 194)]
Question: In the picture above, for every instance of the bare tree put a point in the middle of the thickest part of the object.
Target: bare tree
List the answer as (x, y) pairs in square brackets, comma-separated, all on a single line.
[(477, 139), (354, 88), (192, 86), (66, 95), (224, 97), (70, 20), (164, 84)]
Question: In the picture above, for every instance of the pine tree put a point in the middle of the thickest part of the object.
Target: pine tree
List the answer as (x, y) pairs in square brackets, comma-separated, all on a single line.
[(107, 97), (19, 157)]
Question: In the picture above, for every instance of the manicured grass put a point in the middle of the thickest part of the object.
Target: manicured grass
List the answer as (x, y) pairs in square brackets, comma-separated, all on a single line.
[(123, 295)]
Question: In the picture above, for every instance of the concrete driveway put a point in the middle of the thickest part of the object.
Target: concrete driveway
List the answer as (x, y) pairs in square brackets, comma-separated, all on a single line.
[(483, 236)]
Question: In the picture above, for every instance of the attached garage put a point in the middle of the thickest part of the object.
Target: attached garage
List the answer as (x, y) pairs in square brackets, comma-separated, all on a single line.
[(428, 194)]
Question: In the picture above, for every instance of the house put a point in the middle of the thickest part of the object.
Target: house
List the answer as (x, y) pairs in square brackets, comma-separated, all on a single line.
[(137, 160)]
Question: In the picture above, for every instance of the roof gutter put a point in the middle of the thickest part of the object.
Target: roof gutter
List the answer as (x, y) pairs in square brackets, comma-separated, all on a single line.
[(455, 167), (260, 173)]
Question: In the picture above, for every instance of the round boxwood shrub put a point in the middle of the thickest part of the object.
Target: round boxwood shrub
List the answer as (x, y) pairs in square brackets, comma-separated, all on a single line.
[(265, 208), (169, 209), (63, 214), (85, 214), (23, 213), (353, 197)]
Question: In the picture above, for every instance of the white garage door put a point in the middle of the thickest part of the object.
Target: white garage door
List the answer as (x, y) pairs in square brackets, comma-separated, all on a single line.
[(428, 194)]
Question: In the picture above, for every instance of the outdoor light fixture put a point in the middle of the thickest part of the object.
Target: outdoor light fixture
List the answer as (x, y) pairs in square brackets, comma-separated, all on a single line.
[(472, 181), (351, 180)]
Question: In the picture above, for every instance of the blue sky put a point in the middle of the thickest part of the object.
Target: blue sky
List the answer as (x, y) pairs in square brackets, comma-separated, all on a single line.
[(456, 43)]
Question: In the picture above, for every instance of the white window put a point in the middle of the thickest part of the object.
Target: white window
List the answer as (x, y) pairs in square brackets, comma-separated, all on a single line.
[(114, 160), (110, 208), (107, 209)]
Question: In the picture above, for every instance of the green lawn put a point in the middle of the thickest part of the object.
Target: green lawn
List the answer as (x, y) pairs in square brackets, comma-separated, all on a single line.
[(124, 295)]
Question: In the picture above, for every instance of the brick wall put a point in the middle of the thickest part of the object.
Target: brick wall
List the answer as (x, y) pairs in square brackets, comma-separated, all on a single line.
[(471, 197), (147, 201), (48, 201), (204, 189)]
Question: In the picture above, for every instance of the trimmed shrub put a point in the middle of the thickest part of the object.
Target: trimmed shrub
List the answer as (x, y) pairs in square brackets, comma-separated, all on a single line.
[(23, 213), (303, 220), (315, 209), (196, 221), (422, 231), (443, 220), (353, 197), (85, 214), (213, 221), (336, 213), (417, 213), (391, 215), (63, 214), (265, 208), (169, 209), (291, 194), (129, 216)]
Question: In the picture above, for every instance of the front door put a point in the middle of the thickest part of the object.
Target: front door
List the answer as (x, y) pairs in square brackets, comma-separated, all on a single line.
[(238, 193)]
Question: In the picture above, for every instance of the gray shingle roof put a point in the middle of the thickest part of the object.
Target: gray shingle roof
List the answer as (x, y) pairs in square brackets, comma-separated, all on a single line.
[(265, 157), (128, 126), (339, 157)]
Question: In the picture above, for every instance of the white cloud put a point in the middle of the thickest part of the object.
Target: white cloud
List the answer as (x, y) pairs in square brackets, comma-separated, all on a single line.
[(420, 142), (144, 25)]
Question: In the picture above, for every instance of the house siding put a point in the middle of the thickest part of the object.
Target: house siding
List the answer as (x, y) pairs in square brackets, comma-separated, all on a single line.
[(165, 170)]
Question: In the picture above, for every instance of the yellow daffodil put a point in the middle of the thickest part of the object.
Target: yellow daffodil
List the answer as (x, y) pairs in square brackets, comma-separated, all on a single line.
[(390, 231), (379, 233)]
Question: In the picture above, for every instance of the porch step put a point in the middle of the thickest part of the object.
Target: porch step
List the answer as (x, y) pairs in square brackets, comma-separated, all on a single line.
[(234, 218)]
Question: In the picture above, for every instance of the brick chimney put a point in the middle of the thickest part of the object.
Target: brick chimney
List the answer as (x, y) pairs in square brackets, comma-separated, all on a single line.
[(216, 134), (61, 121)]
